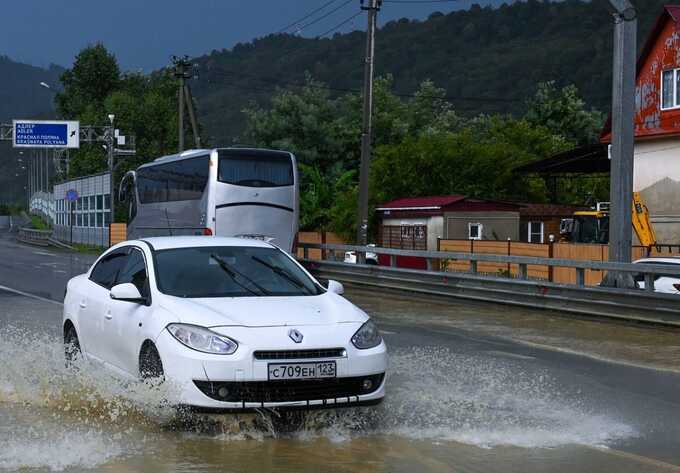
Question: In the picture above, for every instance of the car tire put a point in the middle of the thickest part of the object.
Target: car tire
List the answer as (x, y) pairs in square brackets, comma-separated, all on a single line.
[(71, 346), (150, 364)]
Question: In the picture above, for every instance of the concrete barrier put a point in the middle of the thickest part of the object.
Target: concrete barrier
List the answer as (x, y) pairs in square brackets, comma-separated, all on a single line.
[(32, 236)]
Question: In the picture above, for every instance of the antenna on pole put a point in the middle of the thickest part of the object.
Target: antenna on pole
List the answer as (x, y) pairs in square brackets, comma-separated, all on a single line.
[(184, 70)]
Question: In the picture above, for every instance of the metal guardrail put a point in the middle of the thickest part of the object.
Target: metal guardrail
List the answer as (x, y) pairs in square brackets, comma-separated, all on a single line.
[(628, 304), (648, 270), (34, 237)]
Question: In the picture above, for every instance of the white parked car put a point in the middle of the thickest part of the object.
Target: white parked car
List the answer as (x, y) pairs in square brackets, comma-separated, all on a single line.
[(665, 284), (371, 258), (237, 324)]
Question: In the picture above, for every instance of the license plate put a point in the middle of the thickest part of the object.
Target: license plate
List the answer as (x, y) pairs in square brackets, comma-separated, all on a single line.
[(313, 370)]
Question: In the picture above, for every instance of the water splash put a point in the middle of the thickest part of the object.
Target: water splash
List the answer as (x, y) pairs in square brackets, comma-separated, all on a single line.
[(432, 394)]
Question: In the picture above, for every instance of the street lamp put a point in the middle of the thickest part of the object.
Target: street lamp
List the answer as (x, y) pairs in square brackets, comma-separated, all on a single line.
[(111, 143)]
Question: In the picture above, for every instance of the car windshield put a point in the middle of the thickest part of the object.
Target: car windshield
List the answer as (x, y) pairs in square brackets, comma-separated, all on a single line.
[(231, 271)]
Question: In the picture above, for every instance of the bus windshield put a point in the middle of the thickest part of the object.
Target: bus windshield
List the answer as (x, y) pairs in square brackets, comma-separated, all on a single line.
[(253, 168)]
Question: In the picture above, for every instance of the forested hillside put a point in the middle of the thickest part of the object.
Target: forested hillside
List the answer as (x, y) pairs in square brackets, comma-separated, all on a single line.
[(487, 59), (20, 93)]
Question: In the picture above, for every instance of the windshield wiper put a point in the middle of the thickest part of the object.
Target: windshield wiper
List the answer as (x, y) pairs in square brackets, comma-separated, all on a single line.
[(283, 273), (233, 273)]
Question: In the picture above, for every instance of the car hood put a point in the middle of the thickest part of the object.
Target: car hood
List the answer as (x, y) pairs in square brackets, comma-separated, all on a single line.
[(325, 309)]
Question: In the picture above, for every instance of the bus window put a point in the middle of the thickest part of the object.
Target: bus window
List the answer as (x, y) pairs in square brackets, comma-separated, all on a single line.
[(179, 180), (255, 169)]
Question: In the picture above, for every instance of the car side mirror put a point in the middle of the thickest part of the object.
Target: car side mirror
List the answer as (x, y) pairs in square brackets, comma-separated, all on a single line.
[(127, 292), (335, 287)]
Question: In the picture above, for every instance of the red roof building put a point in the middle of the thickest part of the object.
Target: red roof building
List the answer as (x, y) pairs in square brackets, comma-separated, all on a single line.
[(657, 125), (418, 222)]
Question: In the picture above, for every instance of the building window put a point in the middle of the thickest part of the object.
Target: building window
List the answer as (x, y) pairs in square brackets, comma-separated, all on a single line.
[(670, 89), (475, 231), (535, 232)]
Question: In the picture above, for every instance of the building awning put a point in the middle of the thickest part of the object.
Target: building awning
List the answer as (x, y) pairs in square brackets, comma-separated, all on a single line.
[(589, 159)]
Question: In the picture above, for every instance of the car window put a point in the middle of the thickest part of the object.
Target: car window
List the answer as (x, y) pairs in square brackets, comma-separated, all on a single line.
[(134, 271), (231, 272), (105, 272)]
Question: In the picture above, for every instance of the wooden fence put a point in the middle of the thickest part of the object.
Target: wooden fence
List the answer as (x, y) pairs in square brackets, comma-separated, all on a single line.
[(579, 252), (318, 237)]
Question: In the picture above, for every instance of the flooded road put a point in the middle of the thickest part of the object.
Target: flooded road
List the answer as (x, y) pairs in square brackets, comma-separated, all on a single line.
[(470, 388)]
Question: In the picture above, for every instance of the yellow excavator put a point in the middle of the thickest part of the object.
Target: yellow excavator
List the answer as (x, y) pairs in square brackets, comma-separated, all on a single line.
[(592, 226)]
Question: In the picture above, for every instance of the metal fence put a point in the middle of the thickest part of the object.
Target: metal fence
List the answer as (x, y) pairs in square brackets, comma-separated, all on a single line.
[(631, 304), (84, 221)]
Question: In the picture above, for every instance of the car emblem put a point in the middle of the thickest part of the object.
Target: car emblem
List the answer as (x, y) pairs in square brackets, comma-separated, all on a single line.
[(295, 335)]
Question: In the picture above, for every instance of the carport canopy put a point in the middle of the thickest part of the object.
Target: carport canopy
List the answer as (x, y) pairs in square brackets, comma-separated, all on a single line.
[(588, 159)]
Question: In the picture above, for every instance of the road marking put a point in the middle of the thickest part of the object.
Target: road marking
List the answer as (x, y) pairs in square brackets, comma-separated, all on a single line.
[(43, 253), (32, 296), (510, 355), (638, 458)]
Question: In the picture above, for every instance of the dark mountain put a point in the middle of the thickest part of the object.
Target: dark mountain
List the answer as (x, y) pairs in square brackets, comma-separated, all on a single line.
[(21, 95), (488, 59)]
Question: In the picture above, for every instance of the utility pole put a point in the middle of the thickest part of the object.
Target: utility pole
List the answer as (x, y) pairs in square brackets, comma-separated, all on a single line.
[(184, 70), (367, 129), (623, 140), (111, 141)]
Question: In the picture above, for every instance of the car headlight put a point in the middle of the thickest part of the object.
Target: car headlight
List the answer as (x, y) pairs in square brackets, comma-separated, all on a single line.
[(368, 336), (203, 340)]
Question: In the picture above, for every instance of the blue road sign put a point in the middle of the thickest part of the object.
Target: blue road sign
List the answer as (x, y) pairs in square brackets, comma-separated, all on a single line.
[(46, 134), (71, 195)]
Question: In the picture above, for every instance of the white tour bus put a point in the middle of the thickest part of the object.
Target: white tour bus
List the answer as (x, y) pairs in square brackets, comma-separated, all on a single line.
[(225, 192)]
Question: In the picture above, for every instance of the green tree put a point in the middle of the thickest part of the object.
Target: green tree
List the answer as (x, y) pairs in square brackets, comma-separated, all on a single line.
[(476, 161), (145, 107), (95, 74), (564, 113)]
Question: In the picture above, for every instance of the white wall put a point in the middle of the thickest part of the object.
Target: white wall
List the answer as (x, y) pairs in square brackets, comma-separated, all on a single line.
[(657, 178)]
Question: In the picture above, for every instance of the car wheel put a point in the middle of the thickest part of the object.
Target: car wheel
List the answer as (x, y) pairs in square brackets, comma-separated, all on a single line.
[(150, 364), (71, 346)]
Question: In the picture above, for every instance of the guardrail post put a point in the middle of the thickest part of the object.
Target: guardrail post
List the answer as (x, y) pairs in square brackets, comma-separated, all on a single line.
[(523, 272), (649, 282), (473, 266), (580, 277), (429, 263), (393, 261)]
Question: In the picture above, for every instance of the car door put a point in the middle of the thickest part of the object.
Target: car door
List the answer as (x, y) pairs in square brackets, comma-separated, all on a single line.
[(93, 302), (126, 319)]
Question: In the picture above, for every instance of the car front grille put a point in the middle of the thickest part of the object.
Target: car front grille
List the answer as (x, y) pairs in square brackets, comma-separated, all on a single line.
[(290, 390), (299, 354)]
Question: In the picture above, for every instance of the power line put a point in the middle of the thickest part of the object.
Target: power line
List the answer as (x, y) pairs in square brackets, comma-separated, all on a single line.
[(340, 25), (300, 20), (347, 2)]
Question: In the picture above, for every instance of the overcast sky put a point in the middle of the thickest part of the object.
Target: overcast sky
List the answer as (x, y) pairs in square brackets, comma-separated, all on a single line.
[(145, 33)]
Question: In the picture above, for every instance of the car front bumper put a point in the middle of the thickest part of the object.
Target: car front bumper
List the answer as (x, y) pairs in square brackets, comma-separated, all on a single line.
[(198, 376)]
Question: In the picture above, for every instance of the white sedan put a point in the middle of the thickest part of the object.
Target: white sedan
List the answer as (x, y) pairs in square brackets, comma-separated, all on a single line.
[(236, 324), (665, 284)]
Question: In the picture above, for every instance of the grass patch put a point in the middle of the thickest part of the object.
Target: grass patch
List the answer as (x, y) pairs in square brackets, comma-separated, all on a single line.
[(87, 249), (39, 224)]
